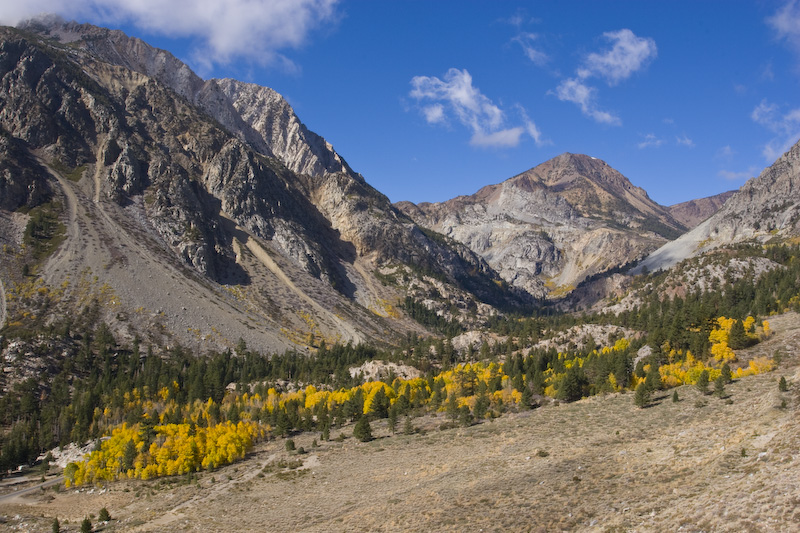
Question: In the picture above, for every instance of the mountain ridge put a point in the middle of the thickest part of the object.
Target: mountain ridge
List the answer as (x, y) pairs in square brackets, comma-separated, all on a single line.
[(550, 227), (151, 162)]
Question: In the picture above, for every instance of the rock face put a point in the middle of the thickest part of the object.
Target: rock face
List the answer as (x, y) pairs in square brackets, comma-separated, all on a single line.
[(765, 208), (693, 212), (222, 174), (551, 227)]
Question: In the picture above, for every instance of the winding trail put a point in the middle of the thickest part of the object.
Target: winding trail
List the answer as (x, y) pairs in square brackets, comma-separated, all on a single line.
[(12, 496), (2, 305)]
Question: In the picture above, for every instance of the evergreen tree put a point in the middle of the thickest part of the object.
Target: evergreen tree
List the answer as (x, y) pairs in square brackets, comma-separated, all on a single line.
[(465, 417), (737, 338), (675, 398), (527, 398), (408, 427), (362, 430), (726, 373), (653, 378), (782, 385), (129, 455), (642, 396), (719, 386), (392, 422), (86, 526), (702, 382), (481, 406), (104, 515), (56, 526)]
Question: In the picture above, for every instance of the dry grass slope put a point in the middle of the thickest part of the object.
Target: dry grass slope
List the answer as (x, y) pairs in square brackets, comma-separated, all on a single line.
[(601, 464)]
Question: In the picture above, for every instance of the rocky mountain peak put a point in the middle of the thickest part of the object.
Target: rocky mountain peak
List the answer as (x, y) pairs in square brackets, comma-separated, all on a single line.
[(552, 226)]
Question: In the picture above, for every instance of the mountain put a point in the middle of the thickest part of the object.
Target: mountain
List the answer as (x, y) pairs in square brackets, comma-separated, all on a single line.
[(204, 211), (551, 227), (764, 209), (693, 212)]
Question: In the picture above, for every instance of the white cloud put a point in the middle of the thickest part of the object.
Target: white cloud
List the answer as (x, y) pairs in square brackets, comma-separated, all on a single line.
[(256, 30), (764, 114), (785, 126), (726, 152), (456, 95), (736, 176), (650, 140), (526, 41), (575, 91), (499, 139), (786, 23), (684, 141), (628, 54), (434, 114)]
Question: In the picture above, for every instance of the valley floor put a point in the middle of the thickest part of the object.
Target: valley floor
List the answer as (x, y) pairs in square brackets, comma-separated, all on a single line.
[(600, 464)]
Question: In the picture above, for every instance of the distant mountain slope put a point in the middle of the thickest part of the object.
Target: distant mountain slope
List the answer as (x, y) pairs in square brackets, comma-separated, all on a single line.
[(765, 208), (157, 168), (693, 212), (549, 228)]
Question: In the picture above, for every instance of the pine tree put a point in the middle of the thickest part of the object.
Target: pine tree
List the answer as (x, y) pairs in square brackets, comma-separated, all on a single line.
[(408, 427), (362, 430), (675, 398), (465, 417), (737, 338), (726, 373), (104, 515), (653, 379), (782, 386), (719, 386), (702, 382), (642, 396), (392, 422), (129, 455), (86, 526), (56, 526)]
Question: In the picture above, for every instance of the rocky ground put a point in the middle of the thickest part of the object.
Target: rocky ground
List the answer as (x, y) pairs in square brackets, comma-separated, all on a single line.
[(600, 464)]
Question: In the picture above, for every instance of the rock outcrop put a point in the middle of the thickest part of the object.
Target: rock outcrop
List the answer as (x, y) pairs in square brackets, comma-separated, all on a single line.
[(765, 208)]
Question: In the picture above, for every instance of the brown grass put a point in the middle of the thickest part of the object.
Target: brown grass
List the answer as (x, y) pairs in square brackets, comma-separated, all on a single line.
[(600, 464)]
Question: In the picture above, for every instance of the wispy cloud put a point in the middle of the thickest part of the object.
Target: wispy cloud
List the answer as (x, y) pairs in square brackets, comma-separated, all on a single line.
[(737, 176), (650, 140), (725, 153), (575, 91), (683, 140), (786, 23), (785, 126), (628, 54), (519, 18), (225, 30), (527, 42), (455, 96)]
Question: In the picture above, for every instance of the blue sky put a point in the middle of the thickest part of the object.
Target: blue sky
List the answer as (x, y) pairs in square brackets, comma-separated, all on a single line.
[(433, 99)]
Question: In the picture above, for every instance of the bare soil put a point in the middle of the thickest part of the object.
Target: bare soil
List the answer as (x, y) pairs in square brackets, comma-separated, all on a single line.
[(600, 464)]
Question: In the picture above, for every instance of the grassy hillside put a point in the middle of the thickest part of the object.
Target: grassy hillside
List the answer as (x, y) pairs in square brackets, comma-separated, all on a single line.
[(600, 464)]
